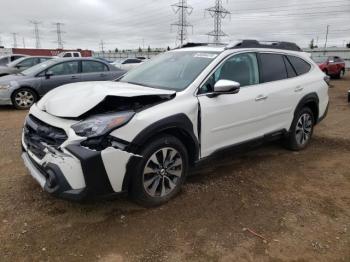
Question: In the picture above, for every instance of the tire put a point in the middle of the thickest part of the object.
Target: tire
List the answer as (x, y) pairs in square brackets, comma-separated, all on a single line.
[(23, 98), (153, 183), (342, 73), (301, 131)]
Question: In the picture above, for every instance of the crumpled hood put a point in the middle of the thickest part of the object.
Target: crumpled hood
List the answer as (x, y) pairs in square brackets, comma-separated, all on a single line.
[(73, 100)]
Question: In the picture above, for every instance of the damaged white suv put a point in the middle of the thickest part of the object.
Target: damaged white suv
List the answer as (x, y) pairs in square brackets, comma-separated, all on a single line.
[(142, 133)]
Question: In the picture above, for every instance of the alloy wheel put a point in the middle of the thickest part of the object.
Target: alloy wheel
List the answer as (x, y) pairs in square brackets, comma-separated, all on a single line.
[(303, 129), (162, 172), (24, 99)]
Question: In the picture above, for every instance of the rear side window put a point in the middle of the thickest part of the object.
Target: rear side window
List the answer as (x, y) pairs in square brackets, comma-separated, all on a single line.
[(300, 66), (290, 70), (272, 67), (93, 67), (76, 55)]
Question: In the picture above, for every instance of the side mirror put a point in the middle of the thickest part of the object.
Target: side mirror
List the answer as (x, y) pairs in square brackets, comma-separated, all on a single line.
[(48, 74), (225, 87)]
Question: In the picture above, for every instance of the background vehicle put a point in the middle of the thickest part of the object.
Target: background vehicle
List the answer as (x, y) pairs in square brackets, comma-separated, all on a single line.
[(127, 64), (24, 89), (69, 54), (142, 133), (4, 60), (21, 64), (333, 66)]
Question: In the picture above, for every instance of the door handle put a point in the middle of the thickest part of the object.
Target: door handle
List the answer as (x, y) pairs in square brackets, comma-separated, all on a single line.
[(74, 77), (260, 98), (102, 75), (298, 89)]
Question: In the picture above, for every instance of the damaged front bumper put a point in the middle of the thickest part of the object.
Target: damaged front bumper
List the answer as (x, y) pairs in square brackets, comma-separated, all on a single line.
[(73, 171)]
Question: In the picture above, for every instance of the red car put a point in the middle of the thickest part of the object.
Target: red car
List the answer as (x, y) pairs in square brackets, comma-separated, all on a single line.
[(333, 66)]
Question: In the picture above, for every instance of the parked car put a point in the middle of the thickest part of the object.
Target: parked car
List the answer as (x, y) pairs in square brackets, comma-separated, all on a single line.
[(142, 133), (127, 64), (22, 64), (333, 66), (103, 59), (69, 54), (24, 89), (4, 60)]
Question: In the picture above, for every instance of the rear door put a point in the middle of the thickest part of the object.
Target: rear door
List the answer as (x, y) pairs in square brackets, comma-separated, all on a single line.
[(60, 74), (94, 71)]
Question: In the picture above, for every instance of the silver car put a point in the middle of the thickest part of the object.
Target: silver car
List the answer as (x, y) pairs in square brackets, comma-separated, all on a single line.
[(22, 64), (24, 89), (4, 60)]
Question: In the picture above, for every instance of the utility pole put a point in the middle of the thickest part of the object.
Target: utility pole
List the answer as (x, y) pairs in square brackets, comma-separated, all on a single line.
[(24, 43), (59, 33), (218, 12), (102, 45), (36, 33), (14, 35), (325, 43), (1, 41), (183, 10)]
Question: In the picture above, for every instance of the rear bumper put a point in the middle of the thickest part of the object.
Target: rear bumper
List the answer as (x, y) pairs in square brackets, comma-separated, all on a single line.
[(324, 114)]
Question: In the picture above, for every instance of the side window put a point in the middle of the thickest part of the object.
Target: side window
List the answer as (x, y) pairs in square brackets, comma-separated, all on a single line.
[(26, 63), (93, 67), (127, 61), (300, 66), (76, 55), (43, 59), (67, 55), (290, 70), (242, 68), (272, 67), (66, 68)]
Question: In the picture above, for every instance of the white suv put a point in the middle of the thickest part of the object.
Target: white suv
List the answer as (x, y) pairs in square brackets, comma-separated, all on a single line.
[(142, 133)]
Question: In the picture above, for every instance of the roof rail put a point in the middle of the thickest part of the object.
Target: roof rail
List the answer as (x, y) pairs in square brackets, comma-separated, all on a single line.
[(189, 44), (265, 44)]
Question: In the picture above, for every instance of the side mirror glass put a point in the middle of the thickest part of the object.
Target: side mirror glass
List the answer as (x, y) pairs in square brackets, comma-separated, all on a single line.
[(48, 74), (225, 87)]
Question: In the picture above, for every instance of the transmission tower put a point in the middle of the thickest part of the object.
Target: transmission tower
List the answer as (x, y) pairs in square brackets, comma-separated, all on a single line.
[(183, 10), (14, 40), (59, 33), (102, 45), (36, 33), (218, 12)]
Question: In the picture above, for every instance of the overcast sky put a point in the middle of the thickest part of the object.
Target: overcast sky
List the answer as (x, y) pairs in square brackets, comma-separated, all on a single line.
[(129, 24)]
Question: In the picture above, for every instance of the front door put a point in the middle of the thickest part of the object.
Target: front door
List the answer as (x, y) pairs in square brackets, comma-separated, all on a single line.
[(60, 74), (233, 118)]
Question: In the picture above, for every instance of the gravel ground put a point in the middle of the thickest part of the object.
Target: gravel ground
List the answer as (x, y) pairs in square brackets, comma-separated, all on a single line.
[(268, 204)]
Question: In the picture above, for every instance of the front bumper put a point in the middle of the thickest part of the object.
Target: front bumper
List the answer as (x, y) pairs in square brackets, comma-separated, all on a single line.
[(73, 171), (5, 97)]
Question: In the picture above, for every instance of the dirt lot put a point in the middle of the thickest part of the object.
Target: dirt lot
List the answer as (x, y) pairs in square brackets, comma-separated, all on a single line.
[(299, 204)]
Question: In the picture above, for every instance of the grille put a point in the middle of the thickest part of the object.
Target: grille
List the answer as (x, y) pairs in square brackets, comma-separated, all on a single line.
[(38, 134)]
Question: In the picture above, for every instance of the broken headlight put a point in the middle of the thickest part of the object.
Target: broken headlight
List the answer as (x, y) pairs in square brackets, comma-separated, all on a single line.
[(100, 125)]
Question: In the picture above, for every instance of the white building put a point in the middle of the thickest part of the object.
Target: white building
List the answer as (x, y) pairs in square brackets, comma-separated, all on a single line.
[(342, 52)]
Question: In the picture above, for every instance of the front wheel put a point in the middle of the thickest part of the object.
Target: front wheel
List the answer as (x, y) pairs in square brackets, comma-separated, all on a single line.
[(301, 130), (161, 172), (24, 98)]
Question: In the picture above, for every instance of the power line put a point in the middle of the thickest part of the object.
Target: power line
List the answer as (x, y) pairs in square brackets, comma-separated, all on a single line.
[(59, 35), (36, 33), (183, 10), (218, 12), (14, 35)]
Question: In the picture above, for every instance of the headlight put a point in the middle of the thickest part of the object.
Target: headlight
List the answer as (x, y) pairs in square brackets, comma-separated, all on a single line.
[(4, 87), (100, 125)]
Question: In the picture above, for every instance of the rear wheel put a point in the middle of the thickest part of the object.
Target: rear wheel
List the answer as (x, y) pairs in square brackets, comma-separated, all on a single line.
[(161, 172), (24, 98), (301, 130)]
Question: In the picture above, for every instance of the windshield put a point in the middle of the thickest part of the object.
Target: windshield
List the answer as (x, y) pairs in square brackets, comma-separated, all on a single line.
[(39, 67), (172, 70), (13, 63)]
